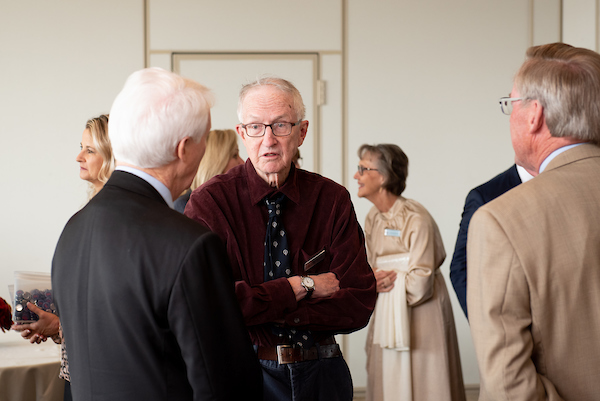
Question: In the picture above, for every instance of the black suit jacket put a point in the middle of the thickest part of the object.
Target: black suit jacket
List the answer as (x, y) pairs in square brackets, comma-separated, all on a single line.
[(475, 199), (147, 303)]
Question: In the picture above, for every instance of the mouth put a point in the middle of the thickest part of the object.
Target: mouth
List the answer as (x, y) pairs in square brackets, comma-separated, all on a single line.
[(270, 155)]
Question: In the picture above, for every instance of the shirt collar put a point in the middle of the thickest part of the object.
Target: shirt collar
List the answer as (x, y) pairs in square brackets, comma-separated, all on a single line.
[(523, 174), (159, 186), (557, 152), (259, 189)]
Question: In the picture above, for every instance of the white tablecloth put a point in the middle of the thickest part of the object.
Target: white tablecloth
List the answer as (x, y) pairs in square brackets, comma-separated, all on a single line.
[(29, 371)]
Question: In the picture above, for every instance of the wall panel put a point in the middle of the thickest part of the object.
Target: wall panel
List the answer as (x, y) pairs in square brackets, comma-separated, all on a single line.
[(239, 25), (427, 76), (580, 23)]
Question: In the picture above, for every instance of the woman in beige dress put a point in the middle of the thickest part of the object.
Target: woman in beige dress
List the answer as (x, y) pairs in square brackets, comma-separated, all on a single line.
[(412, 349)]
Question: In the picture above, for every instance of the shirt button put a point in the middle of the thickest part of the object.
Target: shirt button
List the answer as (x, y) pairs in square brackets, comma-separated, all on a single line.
[(297, 320)]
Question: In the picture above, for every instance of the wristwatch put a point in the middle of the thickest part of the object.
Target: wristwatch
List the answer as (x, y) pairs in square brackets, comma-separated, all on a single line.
[(309, 285)]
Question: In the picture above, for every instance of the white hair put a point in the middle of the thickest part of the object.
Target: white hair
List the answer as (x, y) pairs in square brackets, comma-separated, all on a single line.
[(154, 111), (279, 83)]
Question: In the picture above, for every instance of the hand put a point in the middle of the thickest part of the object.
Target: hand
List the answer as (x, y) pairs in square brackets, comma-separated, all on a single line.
[(385, 280), (36, 332), (326, 284)]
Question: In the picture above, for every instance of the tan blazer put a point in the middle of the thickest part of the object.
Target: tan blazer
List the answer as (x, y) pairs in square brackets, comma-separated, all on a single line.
[(533, 286)]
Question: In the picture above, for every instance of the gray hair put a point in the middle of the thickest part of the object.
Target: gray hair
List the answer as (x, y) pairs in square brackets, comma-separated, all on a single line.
[(154, 111), (391, 162), (281, 84), (566, 82)]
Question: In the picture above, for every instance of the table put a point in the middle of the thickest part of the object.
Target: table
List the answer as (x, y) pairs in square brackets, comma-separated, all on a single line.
[(28, 371)]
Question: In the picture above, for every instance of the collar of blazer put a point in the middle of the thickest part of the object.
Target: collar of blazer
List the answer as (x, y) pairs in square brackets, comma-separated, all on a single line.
[(133, 183), (583, 151)]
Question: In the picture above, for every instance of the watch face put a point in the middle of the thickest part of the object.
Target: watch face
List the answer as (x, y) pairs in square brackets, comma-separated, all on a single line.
[(308, 282)]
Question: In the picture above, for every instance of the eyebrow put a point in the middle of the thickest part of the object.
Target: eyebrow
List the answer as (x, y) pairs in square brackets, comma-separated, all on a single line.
[(279, 117)]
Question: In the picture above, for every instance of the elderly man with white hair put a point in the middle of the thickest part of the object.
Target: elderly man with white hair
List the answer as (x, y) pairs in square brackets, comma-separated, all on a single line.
[(296, 249), (145, 295)]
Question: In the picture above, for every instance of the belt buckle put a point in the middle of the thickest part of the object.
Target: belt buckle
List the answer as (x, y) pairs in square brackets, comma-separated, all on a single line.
[(284, 352)]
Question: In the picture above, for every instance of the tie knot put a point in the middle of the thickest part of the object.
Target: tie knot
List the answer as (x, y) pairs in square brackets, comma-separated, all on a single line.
[(274, 204)]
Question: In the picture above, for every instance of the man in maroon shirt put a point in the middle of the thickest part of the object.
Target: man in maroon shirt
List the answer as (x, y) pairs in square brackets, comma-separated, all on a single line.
[(313, 280)]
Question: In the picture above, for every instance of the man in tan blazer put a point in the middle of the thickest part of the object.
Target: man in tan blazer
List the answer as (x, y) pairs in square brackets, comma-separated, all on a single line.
[(533, 289)]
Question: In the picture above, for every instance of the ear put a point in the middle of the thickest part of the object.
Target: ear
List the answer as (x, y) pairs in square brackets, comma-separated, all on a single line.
[(536, 116), (240, 131), (303, 131), (181, 151)]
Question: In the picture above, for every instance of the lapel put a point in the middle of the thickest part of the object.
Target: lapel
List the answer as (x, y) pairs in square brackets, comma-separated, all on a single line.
[(514, 177)]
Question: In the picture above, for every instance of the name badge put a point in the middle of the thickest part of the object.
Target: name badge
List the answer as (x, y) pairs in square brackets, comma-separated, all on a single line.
[(388, 232)]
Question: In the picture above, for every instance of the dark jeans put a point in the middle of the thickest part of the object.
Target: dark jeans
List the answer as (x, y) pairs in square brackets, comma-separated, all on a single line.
[(319, 380)]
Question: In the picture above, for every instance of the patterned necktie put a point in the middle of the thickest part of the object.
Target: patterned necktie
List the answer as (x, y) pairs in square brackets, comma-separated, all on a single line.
[(278, 264), (277, 254)]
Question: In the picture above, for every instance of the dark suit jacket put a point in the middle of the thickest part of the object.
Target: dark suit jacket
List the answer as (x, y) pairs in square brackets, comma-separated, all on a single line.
[(147, 303), (475, 199)]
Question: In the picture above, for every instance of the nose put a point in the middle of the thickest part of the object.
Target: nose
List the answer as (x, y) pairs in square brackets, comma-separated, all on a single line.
[(79, 157), (356, 175), (269, 139)]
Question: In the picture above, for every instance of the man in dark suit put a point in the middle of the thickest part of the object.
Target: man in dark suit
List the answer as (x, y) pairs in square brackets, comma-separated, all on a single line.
[(145, 295), (476, 198)]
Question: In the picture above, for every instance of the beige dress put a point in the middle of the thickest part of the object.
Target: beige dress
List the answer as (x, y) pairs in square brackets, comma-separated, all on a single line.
[(435, 370)]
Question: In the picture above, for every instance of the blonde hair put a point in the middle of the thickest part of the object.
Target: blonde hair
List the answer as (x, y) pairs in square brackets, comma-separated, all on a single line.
[(221, 146), (98, 127)]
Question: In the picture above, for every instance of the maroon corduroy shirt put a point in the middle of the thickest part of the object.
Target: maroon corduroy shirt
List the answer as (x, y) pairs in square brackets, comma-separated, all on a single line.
[(317, 215)]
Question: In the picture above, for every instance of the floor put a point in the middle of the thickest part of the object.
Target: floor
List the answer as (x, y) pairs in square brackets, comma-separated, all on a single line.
[(472, 393)]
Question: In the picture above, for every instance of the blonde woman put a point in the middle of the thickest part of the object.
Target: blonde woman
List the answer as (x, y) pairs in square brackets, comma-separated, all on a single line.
[(221, 155), (96, 161), (96, 164)]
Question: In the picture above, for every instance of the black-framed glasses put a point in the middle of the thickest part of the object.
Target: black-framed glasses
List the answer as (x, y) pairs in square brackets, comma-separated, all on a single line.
[(362, 169), (256, 130), (506, 104)]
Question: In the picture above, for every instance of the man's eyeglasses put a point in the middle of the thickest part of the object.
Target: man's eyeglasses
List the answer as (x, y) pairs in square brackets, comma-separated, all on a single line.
[(278, 129), (506, 104), (362, 169)]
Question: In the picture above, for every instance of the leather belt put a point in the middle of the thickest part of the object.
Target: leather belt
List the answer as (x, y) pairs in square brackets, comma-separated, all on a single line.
[(287, 353)]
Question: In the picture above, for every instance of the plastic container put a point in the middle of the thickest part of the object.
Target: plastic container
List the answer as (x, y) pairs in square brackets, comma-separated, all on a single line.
[(34, 287)]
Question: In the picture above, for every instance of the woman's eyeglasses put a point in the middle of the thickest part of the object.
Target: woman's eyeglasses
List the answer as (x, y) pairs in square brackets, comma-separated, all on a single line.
[(362, 169)]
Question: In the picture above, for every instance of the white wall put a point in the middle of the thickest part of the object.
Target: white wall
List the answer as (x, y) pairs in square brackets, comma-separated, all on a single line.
[(425, 75), (61, 62)]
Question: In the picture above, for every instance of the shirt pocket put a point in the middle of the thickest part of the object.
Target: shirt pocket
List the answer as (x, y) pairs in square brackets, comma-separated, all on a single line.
[(317, 261)]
